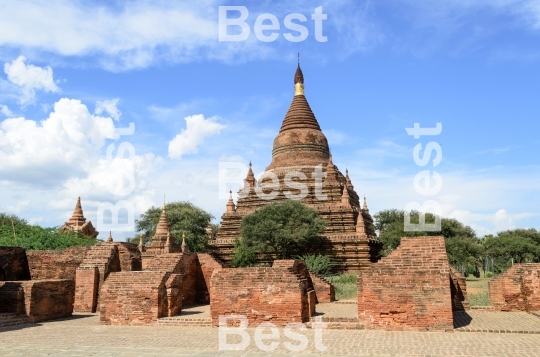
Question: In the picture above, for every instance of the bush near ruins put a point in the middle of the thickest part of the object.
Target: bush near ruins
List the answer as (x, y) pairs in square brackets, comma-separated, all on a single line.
[(281, 230), (318, 263), (34, 237), (184, 218)]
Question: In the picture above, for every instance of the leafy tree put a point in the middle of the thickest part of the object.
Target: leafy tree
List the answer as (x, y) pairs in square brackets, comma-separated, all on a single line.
[(16, 232), (184, 218), (390, 224), (244, 256), (512, 245), (282, 230)]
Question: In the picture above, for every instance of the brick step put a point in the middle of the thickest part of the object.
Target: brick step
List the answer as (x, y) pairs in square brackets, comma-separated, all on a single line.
[(7, 316), (184, 321), (495, 330), (340, 325), (483, 308), (336, 319), (14, 321)]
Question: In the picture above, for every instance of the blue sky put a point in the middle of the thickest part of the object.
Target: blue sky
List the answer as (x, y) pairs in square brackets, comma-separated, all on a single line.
[(75, 71)]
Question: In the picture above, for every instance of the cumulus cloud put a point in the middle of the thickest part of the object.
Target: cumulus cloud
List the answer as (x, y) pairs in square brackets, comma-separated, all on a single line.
[(109, 107), (189, 139), (5, 110), (59, 146), (30, 78)]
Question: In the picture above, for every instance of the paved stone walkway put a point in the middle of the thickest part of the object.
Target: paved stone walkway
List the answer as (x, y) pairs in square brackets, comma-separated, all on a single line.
[(84, 336), (497, 322)]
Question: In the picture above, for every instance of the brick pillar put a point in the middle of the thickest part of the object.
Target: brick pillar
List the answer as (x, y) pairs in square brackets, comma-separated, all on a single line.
[(86, 289), (360, 296)]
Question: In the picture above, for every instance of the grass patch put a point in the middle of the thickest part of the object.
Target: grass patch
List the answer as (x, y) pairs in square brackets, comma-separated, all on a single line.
[(479, 299), (344, 285)]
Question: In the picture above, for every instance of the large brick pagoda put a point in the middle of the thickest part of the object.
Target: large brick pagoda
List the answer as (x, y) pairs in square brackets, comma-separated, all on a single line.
[(302, 147)]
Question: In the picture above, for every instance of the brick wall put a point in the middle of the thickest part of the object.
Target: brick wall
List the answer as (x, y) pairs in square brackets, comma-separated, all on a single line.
[(135, 298), (13, 264), (207, 267), (324, 290), (518, 289), (55, 264), (409, 289), (40, 300), (458, 289), (186, 264), (261, 294), (130, 256), (105, 258)]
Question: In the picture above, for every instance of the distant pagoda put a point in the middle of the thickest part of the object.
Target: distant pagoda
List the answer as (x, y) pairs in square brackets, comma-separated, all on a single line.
[(77, 222), (162, 241), (301, 146)]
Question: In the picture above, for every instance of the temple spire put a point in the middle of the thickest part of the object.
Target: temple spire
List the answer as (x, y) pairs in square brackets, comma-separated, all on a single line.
[(360, 226), (331, 171), (250, 178), (230, 204), (348, 182), (110, 240), (365, 208), (141, 245), (184, 246), (345, 198), (167, 244), (298, 79)]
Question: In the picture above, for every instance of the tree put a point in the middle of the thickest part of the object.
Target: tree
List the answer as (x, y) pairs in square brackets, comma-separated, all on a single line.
[(16, 232), (282, 230), (390, 224), (244, 256), (184, 218), (512, 245)]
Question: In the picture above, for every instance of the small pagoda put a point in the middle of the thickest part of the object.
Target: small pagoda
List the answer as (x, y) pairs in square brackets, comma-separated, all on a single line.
[(162, 241), (77, 222)]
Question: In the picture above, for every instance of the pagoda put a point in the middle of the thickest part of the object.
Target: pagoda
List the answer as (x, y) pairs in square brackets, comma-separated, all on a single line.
[(162, 241), (301, 149), (77, 222)]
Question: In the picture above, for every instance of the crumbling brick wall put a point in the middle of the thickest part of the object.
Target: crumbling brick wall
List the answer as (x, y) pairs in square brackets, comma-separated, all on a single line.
[(324, 290), (130, 256), (55, 264), (278, 295), (518, 289), (40, 300), (458, 289), (98, 263), (13, 264), (207, 265), (139, 298), (409, 289), (186, 264)]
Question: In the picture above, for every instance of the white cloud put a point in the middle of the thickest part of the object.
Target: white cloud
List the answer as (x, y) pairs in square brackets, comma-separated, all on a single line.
[(197, 128), (58, 147), (30, 78), (18, 207), (109, 107), (5, 110)]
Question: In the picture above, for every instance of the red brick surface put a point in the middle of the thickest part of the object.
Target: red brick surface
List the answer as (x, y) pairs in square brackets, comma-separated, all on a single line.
[(518, 289), (458, 289), (135, 298), (13, 264), (323, 288), (409, 289), (55, 264), (207, 267), (40, 300), (278, 295)]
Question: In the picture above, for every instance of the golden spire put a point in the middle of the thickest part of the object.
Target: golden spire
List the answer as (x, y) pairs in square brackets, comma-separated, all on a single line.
[(298, 79)]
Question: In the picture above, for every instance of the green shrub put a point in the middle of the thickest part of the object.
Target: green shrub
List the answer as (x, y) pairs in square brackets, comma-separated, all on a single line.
[(244, 256), (318, 263), (489, 274), (344, 285)]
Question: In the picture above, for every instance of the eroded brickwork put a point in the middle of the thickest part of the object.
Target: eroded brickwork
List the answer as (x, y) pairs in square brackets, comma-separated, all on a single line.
[(55, 264), (137, 298), (207, 267), (409, 289), (458, 289), (278, 295), (518, 289), (323, 288), (40, 300), (13, 264)]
